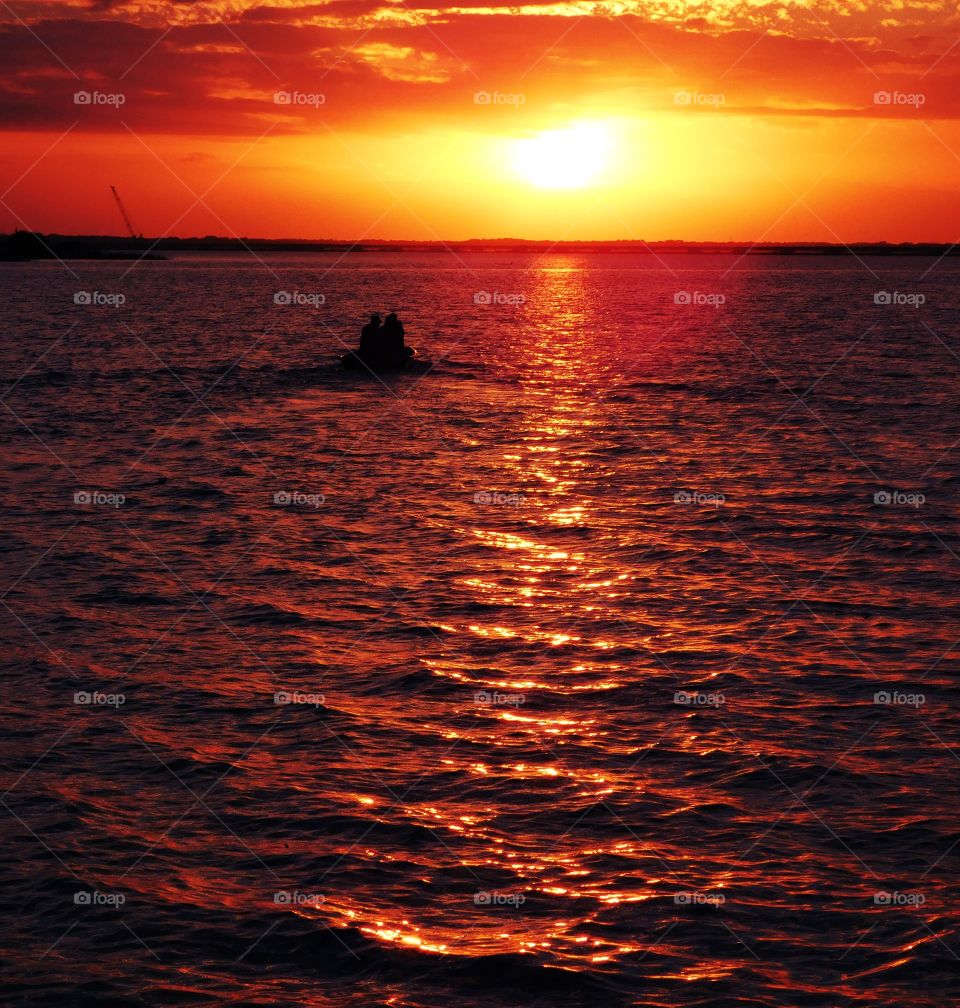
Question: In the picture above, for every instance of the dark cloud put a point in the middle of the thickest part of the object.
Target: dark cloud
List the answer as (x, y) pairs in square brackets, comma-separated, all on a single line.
[(219, 79)]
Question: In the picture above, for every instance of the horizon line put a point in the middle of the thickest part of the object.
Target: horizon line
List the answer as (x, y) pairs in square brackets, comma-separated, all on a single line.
[(633, 244)]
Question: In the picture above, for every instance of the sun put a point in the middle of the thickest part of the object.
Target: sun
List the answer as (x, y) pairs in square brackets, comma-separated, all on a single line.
[(568, 158)]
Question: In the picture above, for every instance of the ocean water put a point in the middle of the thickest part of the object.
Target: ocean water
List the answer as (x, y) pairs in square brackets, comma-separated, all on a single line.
[(611, 660)]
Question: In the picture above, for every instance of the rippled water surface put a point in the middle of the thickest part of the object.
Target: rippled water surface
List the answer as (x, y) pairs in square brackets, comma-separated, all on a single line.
[(611, 661)]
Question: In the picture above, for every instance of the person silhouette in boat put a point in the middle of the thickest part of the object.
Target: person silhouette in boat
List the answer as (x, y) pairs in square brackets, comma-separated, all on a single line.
[(371, 338), (393, 338)]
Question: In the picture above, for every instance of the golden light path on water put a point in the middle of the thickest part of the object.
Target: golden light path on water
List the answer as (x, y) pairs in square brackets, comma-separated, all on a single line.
[(555, 593)]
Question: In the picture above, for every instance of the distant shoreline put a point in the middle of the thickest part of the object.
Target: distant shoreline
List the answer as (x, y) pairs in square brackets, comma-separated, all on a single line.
[(27, 245)]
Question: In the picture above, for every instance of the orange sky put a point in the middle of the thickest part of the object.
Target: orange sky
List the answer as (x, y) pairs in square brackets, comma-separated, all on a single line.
[(733, 120)]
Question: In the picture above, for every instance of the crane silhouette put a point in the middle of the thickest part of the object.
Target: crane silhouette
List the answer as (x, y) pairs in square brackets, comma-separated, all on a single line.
[(123, 213)]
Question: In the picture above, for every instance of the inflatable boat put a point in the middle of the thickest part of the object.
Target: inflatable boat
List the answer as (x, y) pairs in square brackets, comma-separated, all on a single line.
[(354, 361)]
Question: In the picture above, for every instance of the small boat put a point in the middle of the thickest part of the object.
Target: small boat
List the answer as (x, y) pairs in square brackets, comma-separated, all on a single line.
[(353, 361)]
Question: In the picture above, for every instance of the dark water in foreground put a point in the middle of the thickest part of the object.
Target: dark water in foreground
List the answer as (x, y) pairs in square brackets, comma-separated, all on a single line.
[(586, 669)]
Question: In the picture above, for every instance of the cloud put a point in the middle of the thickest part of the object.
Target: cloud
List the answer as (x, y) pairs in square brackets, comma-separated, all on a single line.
[(213, 68)]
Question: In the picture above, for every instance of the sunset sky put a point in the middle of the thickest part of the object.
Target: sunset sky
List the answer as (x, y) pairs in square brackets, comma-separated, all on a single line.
[(655, 119)]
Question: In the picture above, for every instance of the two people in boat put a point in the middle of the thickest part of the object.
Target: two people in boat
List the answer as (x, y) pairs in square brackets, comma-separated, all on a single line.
[(383, 341)]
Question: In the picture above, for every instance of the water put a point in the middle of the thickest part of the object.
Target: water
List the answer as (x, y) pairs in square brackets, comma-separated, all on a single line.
[(580, 634)]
